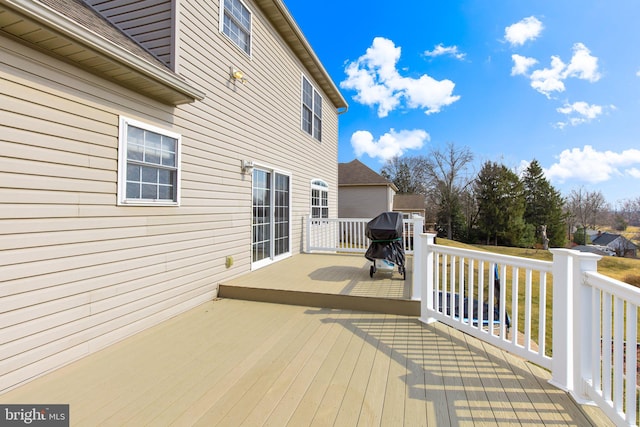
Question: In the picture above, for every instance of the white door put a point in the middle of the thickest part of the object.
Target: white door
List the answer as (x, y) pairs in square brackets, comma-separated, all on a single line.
[(271, 219)]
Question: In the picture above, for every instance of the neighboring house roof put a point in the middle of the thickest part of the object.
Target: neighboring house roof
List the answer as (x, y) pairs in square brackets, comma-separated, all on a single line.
[(75, 33), (357, 173), (409, 202), (605, 239)]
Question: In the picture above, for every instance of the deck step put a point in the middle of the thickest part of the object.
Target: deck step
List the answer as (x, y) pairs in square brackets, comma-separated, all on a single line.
[(314, 299)]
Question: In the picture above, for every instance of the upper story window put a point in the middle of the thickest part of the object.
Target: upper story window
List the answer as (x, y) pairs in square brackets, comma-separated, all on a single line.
[(148, 164), (311, 110), (319, 199), (236, 24)]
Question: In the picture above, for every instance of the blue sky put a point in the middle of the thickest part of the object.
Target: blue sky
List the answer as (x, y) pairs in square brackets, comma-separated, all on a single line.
[(558, 81)]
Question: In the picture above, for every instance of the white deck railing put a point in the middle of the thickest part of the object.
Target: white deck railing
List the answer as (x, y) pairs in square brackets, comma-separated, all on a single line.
[(490, 297), (591, 347), (349, 234)]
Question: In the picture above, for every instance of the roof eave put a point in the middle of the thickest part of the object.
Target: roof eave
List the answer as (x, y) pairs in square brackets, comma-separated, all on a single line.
[(160, 83), (284, 23)]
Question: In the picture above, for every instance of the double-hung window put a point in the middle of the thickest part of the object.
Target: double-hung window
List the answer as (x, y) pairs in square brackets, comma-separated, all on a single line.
[(148, 165), (236, 24), (311, 110), (319, 199)]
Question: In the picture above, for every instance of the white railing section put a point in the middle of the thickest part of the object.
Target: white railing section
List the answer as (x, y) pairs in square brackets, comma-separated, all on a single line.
[(349, 234), (584, 329), (610, 374), (484, 295)]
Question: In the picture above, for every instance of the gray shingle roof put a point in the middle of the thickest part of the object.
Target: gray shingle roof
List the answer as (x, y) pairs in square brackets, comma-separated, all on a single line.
[(357, 173), (408, 202), (80, 12)]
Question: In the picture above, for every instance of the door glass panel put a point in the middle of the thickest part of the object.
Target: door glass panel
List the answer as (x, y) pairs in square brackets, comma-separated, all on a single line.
[(262, 214), (281, 242)]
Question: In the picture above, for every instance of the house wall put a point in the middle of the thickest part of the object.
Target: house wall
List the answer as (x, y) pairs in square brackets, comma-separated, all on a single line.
[(363, 201), (80, 272)]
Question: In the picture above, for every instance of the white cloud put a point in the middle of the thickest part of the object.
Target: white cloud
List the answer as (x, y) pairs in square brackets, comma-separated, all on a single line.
[(578, 113), (548, 80), (634, 172), (441, 50), (389, 145), (521, 64), (523, 31), (593, 166), (582, 66), (376, 80)]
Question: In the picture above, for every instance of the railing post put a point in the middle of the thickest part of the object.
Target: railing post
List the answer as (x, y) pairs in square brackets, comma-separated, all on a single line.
[(562, 320), (309, 234), (583, 326), (427, 241), (571, 321), (418, 258)]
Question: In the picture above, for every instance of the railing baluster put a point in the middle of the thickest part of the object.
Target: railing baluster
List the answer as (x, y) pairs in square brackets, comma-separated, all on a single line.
[(502, 319), (480, 294), (528, 290), (596, 343), (461, 290), (631, 368), (453, 305), (606, 347), (618, 352), (437, 306), (470, 290), (515, 312), (542, 315)]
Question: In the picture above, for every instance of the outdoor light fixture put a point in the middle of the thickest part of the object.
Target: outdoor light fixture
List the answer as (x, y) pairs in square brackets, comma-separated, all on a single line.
[(247, 166), (238, 75)]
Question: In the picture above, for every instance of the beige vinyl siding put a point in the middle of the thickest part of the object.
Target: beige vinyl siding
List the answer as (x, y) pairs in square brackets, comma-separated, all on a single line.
[(78, 272), (364, 201), (149, 22), (244, 115)]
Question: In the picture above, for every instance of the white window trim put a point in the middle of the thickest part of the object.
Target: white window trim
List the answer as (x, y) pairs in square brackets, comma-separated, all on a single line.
[(314, 91), (315, 186), (221, 28), (122, 163)]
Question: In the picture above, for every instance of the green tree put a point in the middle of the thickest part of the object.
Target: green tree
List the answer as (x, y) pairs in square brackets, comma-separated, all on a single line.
[(544, 207), (501, 204)]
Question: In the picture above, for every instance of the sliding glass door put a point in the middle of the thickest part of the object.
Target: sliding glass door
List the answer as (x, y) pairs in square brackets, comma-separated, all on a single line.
[(271, 222)]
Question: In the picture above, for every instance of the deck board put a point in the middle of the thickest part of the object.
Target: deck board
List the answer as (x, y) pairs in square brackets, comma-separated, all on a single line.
[(241, 363)]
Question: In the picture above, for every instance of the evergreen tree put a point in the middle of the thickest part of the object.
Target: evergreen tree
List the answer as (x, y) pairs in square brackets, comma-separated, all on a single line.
[(544, 206), (501, 203)]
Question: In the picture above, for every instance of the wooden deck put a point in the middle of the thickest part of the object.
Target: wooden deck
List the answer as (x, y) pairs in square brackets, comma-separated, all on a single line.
[(244, 363), (327, 281)]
